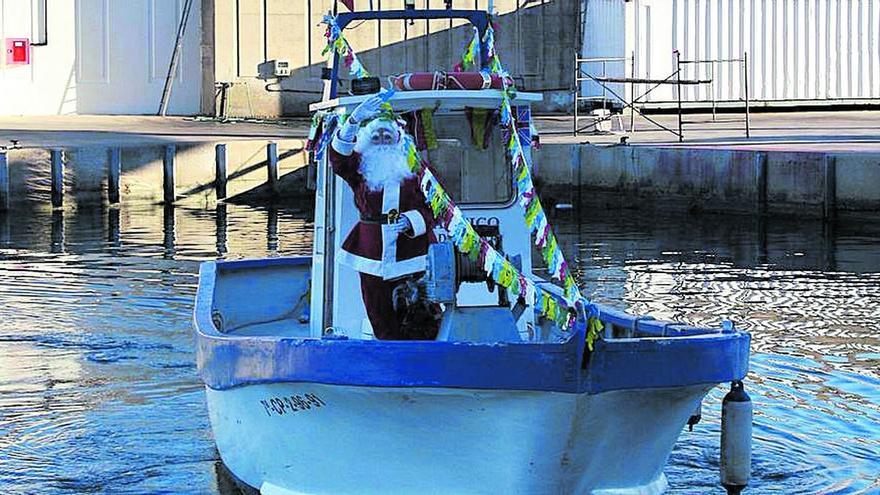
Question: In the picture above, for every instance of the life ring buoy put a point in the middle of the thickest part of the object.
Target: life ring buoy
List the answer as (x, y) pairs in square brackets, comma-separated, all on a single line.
[(415, 81)]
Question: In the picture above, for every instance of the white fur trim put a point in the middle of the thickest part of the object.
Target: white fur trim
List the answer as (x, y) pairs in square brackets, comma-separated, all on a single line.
[(380, 269), (388, 267), (342, 146), (417, 221), (390, 201)]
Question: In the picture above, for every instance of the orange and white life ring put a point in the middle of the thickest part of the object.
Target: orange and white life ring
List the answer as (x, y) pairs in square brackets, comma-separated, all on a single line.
[(415, 81)]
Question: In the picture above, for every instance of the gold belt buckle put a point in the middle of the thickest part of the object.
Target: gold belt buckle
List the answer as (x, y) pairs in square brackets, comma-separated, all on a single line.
[(393, 216)]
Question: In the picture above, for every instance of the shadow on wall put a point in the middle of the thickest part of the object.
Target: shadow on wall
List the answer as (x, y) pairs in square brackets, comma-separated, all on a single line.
[(536, 44)]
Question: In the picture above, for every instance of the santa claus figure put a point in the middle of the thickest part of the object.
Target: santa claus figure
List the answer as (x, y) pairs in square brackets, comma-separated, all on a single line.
[(390, 242)]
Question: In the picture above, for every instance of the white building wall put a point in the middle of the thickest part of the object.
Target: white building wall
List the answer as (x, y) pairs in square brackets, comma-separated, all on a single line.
[(800, 51), (604, 38), (101, 57)]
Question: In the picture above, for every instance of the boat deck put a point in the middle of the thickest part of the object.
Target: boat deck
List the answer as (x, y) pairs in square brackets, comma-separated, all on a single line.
[(284, 328)]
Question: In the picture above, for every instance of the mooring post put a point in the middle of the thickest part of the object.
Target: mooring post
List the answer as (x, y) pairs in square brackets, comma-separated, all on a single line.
[(761, 181), (272, 166), (114, 232), (829, 205), (56, 234), (272, 229), (168, 174), (220, 171), (220, 227), (114, 172), (57, 179), (4, 182), (168, 222)]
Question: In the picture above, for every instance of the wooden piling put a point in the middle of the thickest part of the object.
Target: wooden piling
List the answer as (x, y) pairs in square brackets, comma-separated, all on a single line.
[(57, 179), (220, 229), (829, 205), (272, 166), (168, 174), (114, 173), (168, 228), (4, 182), (220, 171)]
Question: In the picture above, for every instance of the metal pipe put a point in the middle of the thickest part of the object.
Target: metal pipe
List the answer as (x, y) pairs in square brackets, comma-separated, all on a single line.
[(577, 92), (632, 91), (175, 59), (712, 86), (678, 78), (604, 89), (746, 85)]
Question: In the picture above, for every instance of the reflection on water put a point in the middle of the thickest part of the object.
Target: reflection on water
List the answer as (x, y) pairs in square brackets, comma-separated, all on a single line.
[(98, 390)]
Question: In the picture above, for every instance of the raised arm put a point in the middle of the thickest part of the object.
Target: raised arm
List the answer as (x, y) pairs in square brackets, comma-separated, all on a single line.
[(346, 137), (342, 146)]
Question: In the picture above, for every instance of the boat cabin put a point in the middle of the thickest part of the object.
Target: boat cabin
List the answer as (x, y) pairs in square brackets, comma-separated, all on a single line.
[(477, 176)]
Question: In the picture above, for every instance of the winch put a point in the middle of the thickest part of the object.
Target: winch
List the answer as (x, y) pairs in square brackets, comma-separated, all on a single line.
[(447, 269)]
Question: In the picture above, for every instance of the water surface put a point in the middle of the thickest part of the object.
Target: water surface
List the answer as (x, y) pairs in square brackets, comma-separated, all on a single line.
[(99, 393)]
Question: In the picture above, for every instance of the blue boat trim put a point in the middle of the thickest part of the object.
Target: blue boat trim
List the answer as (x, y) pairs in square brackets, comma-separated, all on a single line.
[(684, 356)]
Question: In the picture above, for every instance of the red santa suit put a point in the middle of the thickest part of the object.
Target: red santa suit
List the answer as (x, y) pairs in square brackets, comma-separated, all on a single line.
[(374, 247)]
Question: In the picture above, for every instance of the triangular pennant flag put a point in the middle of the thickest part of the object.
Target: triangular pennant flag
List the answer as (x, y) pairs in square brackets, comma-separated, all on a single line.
[(349, 4)]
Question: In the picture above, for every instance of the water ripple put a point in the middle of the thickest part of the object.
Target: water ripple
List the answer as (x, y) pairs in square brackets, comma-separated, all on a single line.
[(99, 393)]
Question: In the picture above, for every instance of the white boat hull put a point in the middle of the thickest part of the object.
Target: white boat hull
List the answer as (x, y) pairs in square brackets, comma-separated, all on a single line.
[(363, 440)]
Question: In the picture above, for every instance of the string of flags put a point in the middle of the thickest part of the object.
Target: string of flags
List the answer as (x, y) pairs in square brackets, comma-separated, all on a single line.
[(535, 217), (478, 249), (336, 42), (470, 54), (561, 310)]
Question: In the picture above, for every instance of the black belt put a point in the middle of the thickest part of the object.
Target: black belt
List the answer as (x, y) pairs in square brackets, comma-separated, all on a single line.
[(382, 219)]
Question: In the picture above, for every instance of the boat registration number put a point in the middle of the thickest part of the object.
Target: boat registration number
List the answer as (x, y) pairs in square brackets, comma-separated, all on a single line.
[(279, 406)]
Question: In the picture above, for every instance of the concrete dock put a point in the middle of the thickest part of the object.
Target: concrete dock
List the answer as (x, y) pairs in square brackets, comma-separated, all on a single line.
[(815, 164), (806, 164), (144, 159), (843, 131)]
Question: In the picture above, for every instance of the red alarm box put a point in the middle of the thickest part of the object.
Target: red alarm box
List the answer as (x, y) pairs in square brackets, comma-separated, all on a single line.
[(18, 51)]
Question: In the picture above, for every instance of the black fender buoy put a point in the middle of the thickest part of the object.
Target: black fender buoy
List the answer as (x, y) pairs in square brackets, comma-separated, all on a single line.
[(696, 416), (736, 439)]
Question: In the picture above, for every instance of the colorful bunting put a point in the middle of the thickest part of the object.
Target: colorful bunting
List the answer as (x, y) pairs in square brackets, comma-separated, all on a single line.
[(337, 43), (469, 242), (470, 55), (517, 123)]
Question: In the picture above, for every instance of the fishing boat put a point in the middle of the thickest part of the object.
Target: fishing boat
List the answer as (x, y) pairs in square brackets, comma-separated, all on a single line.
[(520, 391)]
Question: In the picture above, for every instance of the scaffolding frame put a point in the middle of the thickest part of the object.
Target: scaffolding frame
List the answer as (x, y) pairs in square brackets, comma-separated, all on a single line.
[(744, 74), (675, 79)]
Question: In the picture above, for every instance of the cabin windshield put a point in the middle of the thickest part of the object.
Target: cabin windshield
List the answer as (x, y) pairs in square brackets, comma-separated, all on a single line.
[(468, 173)]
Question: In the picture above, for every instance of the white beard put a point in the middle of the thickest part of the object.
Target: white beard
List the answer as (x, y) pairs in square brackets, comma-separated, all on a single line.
[(382, 165)]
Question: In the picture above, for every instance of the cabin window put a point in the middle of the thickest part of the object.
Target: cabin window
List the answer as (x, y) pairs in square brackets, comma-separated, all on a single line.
[(469, 174)]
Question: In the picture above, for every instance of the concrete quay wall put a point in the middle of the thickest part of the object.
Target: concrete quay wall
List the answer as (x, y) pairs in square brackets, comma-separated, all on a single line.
[(803, 184), (86, 175), (812, 184)]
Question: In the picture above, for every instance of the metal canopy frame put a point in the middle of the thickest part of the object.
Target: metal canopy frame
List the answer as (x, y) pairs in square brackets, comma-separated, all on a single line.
[(478, 18)]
